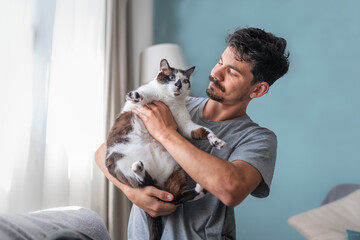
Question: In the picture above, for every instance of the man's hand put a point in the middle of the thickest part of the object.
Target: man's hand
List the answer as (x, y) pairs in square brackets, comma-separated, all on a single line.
[(157, 119), (150, 199)]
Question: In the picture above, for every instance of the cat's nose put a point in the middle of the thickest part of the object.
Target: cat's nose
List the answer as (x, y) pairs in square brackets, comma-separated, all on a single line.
[(178, 84)]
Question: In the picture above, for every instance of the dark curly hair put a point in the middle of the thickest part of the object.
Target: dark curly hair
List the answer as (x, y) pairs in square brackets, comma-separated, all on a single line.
[(264, 51)]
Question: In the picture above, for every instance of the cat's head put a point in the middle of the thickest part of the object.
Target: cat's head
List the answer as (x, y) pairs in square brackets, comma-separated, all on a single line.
[(175, 82)]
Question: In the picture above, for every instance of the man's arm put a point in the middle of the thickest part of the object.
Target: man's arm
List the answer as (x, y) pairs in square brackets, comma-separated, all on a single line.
[(150, 199), (231, 182)]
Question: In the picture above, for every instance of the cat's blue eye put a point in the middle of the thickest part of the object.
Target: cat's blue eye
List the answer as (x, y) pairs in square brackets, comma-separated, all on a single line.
[(171, 78), (186, 81)]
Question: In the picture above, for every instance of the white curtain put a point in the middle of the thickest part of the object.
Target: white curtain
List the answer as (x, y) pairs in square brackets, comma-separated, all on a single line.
[(52, 101), (76, 101), (16, 97)]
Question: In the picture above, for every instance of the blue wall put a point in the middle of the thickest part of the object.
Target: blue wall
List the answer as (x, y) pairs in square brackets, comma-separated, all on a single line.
[(314, 109)]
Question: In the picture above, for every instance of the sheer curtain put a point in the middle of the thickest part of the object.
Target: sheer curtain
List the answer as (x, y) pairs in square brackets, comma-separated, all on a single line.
[(16, 97), (75, 124), (52, 101)]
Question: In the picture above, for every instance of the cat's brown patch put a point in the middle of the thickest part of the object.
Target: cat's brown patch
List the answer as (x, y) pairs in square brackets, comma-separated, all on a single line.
[(176, 183), (111, 160), (122, 127), (199, 133), (163, 74), (128, 181), (110, 163)]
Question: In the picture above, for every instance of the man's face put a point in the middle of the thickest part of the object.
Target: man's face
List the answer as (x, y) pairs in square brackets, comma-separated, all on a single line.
[(230, 80)]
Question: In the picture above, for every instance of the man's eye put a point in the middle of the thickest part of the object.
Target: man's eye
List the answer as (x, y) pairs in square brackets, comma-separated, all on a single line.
[(233, 73)]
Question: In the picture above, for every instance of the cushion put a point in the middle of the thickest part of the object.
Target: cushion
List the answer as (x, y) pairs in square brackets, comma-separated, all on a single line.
[(352, 235), (340, 191), (330, 221)]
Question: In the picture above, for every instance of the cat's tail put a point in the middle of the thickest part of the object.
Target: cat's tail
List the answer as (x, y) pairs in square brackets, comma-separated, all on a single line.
[(155, 227)]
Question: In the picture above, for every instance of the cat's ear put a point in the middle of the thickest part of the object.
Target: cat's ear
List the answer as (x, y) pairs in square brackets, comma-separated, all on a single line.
[(189, 71), (164, 65)]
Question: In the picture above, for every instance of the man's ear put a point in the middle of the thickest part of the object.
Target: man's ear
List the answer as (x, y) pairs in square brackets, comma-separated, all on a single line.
[(259, 89)]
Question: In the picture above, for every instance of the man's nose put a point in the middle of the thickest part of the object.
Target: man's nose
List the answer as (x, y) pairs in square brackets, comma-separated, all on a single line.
[(218, 73)]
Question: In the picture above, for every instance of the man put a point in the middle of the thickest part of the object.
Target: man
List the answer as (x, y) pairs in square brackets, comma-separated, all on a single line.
[(251, 63)]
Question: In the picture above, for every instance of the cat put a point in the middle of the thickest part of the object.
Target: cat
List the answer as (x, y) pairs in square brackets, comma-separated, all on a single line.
[(138, 160)]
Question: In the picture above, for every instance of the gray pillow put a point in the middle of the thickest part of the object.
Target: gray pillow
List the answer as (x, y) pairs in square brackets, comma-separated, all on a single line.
[(340, 191)]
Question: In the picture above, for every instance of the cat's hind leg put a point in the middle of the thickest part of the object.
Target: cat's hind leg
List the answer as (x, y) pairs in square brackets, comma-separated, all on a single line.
[(201, 192), (190, 195), (142, 176), (177, 185)]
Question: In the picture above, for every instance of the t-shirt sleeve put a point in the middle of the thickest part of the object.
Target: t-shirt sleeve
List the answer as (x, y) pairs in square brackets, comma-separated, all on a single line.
[(259, 150), (192, 102)]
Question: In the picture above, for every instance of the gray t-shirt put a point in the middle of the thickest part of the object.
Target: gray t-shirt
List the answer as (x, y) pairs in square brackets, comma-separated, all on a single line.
[(208, 217)]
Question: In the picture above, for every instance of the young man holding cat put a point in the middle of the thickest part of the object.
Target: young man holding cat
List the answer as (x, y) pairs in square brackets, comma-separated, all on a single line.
[(253, 61)]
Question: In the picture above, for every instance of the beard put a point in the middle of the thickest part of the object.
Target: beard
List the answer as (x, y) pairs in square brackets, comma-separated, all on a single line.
[(210, 90), (213, 96)]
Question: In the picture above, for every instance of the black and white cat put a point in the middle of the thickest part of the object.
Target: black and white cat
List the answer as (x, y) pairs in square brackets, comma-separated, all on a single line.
[(138, 160)]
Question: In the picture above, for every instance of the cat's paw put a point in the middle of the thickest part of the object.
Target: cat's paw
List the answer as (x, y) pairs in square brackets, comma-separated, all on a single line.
[(201, 192), (216, 142), (134, 97), (199, 188), (137, 167)]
